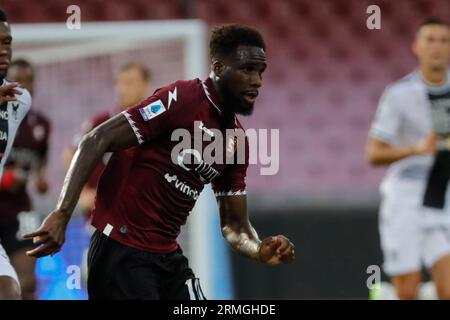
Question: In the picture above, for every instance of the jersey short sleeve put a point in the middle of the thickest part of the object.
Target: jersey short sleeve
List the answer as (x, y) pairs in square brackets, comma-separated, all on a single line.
[(387, 118), (231, 180)]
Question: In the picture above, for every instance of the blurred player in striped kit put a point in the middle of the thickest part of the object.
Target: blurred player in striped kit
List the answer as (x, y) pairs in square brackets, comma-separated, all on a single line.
[(407, 134), (26, 163)]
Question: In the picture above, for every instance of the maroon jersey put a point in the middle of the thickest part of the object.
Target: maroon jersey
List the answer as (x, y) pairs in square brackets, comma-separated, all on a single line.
[(143, 197), (29, 149)]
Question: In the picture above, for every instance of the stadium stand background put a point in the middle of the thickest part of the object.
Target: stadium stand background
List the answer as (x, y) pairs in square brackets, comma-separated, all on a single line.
[(326, 73)]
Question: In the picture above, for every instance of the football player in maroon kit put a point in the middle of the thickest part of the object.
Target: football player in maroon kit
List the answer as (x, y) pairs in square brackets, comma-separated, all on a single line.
[(144, 196), (28, 157)]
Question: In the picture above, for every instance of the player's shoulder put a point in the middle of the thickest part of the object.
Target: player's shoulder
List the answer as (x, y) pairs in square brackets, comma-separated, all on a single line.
[(181, 85), (404, 86), (181, 93)]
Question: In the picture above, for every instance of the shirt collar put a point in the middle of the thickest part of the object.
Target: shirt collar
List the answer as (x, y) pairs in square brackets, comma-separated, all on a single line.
[(212, 95), (213, 98)]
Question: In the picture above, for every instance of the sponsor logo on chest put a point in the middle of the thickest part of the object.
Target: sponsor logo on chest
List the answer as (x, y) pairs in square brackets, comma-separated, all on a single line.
[(181, 186)]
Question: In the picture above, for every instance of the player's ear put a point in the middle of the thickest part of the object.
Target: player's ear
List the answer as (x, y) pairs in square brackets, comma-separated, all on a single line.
[(217, 68)]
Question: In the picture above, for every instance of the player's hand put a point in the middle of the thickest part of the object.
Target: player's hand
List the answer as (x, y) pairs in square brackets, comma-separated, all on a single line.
[(426, 145), (8, 92), (276, 250), (50, 236)]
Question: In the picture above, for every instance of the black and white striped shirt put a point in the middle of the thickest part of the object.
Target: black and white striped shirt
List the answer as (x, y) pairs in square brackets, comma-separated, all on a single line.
[(11, 115)]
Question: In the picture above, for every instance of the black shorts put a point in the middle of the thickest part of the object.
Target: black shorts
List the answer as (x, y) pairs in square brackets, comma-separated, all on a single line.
[(116, 271), (11, 241)]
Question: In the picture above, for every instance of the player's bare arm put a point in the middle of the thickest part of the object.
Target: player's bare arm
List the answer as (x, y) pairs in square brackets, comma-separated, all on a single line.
[(240, 234), (113, 135), (380, 153)]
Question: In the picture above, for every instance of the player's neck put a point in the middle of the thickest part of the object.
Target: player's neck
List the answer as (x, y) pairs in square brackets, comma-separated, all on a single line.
[(217, 88), (434, 77)]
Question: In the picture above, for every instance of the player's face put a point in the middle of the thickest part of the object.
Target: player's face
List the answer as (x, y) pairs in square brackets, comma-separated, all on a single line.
[(432, 46), (23, 75), (241, 78), (131, 87), (5, 48)]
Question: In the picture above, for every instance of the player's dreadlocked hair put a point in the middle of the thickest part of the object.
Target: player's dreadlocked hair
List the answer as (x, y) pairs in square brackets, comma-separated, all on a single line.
[(226, 38), (3, 17)]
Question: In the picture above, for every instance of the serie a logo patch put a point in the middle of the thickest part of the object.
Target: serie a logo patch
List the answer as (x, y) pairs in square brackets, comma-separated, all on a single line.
[(152, 110)]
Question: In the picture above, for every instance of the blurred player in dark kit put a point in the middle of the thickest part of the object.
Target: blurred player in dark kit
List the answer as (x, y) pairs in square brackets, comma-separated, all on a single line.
[(132, 86)]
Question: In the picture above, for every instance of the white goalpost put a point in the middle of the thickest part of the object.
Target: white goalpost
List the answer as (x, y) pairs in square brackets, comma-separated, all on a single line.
[(75, 72), (96, 38)]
